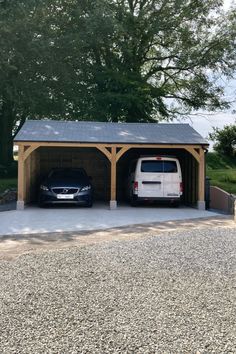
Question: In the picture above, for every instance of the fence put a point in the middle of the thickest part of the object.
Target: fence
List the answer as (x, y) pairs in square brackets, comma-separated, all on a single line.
[(221, 200)]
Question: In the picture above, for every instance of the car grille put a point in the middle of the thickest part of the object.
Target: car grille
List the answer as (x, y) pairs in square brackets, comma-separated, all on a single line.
[(65, 190)]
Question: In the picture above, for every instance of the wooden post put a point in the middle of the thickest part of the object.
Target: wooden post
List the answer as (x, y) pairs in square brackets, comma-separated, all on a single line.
[(201, 181), (113, 202), (21, 179)]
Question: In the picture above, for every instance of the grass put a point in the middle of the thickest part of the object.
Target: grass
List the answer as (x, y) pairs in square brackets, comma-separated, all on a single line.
[(222, 172), (6, 183)]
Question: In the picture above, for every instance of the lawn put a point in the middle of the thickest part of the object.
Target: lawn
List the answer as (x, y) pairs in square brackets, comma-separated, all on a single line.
[(222, 171)]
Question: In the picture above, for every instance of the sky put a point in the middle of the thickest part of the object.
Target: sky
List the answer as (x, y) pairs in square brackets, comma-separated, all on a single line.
[(202, 122)]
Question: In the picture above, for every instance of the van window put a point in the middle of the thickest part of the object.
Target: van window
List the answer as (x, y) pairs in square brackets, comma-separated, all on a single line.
[(159, 166), (170, 167), (151, 166)]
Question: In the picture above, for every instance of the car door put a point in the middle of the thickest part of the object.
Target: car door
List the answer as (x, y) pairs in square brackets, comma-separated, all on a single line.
[(172, 178)]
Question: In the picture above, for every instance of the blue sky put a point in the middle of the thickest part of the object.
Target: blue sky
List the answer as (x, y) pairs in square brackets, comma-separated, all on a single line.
[(205, 121)]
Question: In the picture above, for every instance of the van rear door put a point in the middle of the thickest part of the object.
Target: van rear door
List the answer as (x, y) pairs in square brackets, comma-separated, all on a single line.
[(150, 178), (172, 178)]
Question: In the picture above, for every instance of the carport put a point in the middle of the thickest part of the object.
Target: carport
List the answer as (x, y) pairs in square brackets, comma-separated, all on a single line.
[(105, 151)]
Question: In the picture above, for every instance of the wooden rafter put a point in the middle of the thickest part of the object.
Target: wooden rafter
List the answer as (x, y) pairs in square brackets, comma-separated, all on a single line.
[(193, 152), (29, 150), (108, 145), (104, 150), (121, 152)]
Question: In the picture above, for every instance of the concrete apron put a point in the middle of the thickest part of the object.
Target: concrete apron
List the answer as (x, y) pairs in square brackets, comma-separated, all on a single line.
[(33, 220)]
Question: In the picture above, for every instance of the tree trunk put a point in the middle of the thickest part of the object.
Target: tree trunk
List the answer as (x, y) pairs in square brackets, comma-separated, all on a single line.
[(6, 138)]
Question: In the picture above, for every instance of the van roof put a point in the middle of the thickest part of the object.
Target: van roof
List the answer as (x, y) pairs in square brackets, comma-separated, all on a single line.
[(157, 155)]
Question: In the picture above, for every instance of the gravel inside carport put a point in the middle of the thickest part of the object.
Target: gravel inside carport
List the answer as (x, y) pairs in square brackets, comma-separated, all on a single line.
[(171, 293)]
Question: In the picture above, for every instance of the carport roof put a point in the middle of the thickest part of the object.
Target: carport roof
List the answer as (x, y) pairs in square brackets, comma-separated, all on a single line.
[(105, 132)]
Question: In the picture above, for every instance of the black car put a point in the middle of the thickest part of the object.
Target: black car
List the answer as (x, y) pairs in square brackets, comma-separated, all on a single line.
[(66, 185)]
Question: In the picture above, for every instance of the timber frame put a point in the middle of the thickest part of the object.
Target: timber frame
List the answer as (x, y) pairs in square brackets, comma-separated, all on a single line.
[(113, 153)]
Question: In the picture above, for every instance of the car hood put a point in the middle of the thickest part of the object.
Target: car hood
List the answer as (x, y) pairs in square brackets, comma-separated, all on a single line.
[(66, 182)]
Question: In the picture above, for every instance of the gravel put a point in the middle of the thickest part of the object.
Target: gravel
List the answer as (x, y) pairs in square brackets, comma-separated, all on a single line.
[(173, 293)]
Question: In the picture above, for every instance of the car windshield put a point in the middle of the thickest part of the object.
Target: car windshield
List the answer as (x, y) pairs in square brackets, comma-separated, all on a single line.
[(68, 173)]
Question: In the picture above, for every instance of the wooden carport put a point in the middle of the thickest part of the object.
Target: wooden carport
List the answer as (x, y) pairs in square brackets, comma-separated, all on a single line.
[(112, 139)]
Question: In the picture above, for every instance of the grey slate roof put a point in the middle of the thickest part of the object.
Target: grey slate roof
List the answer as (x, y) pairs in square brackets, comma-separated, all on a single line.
[(98, 132)]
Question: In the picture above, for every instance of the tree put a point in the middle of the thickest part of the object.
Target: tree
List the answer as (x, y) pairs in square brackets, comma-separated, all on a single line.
[(111, 60), (26, 68), (147, 60), (225, 140)]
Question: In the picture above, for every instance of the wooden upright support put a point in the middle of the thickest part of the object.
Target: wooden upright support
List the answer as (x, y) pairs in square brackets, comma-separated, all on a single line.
[(21, 179), (201, 180), (113, 202)]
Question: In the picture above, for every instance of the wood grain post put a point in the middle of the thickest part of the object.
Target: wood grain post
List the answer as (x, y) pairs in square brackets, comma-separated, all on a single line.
[(21, 179), (201, 181), (113, 202)]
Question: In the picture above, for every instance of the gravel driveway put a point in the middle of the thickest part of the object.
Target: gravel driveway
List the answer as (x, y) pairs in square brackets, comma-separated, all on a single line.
[(172, 293)]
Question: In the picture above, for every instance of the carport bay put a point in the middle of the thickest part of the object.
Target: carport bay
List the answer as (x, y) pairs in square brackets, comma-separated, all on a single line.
[(105, 151)]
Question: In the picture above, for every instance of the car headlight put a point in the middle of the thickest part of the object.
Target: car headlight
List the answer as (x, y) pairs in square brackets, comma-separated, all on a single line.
[(86, 188), (44, 188)]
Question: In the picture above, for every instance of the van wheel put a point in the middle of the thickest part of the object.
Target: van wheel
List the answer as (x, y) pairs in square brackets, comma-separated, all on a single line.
[(175, 204), (133, 201)]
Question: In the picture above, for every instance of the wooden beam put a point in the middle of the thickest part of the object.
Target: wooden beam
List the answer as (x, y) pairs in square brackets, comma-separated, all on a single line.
[(121, 152), (113, 173), (29, 150), (104, 150), (193, 152), (108, 145), (201, 177), (21, 176)]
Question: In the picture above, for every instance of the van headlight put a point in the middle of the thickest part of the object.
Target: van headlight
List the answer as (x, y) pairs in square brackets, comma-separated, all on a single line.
[(44, 188), (86, 188)]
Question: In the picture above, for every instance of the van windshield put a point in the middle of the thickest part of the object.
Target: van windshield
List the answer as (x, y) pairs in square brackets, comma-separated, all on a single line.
[(158, 166)]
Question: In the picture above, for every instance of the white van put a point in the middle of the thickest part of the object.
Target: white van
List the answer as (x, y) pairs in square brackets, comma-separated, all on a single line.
[(156, 178)]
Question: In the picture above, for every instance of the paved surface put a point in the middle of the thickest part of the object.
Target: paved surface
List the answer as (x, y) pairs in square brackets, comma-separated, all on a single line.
[(35, 220), (165, 293), (8, 206)]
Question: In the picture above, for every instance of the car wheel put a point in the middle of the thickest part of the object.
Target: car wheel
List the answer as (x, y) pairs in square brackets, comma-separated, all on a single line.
[(41, 205)]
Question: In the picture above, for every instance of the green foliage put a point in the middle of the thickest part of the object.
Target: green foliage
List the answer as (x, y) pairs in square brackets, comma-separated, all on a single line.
[(217, 161), (222, 171), (111, 60), (7, 183), (224, 179), (150, 60), (225, 140)]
